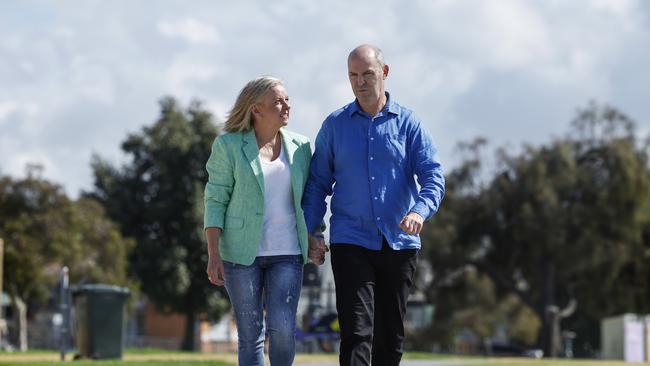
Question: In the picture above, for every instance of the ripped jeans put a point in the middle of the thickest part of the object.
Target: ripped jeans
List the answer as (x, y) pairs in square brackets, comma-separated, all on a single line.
[(273, 284)]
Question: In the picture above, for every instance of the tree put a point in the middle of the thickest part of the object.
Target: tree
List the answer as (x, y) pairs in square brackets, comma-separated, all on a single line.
[(44, 230), (157, 198), (560, 226), (465, 298)]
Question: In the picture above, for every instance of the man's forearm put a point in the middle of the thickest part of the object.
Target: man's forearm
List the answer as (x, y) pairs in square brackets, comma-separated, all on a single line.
[(314, 207), (432, 188)]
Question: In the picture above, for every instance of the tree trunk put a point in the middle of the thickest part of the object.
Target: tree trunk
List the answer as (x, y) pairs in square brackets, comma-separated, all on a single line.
[(548, 309), (20, 321), (554, 340), (189, 337), (552, 315)]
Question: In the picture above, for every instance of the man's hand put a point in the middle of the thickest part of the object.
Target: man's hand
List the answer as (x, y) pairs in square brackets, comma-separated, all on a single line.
[(317, 248), (411, 223), (215, 271)]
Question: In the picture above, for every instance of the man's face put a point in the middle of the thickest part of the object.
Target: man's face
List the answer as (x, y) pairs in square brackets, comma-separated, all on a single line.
[(366, 78)]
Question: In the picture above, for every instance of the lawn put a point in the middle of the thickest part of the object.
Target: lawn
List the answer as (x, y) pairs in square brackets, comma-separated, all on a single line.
[(453, 360), (149, 357), (132, 357)]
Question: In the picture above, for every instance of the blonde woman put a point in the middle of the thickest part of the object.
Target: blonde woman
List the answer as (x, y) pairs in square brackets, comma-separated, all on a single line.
[(254, 225)]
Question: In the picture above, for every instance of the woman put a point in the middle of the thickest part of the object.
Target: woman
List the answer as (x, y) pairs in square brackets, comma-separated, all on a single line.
[(254, 225)]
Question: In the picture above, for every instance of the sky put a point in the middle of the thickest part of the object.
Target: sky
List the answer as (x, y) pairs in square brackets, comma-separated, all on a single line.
[(76, 77)]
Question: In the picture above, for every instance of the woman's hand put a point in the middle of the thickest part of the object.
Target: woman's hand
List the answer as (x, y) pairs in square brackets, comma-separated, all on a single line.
[(216, 274), (215, 270)]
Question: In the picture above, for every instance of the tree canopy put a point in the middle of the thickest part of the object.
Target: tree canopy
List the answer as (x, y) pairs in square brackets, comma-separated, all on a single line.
[(560, 226), (43, 231)]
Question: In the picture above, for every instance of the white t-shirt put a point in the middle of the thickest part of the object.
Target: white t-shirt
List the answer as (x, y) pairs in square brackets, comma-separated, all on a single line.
[(279, 234)]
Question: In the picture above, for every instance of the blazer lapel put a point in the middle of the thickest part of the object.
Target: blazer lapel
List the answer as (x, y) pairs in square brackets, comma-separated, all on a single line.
[(252, 153), (290, 148)]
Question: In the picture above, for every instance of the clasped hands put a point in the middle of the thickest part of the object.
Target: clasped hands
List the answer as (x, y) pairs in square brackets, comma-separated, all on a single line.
[(317, 248), (411, 223)]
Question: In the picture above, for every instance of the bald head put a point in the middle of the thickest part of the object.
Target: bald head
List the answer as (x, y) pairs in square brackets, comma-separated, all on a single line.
[(367, 72), (368, 52)]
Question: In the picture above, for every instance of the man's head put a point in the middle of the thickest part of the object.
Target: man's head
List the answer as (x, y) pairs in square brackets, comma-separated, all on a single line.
[(367, 72)]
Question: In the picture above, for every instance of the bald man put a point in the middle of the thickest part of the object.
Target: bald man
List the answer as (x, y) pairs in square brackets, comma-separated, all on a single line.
[(367, 156)]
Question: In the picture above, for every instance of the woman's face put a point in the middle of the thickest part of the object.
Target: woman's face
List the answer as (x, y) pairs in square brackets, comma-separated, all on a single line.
[(273, 109)]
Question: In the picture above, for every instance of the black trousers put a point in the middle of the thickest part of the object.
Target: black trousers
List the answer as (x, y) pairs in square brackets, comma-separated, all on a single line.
[(372, 288)]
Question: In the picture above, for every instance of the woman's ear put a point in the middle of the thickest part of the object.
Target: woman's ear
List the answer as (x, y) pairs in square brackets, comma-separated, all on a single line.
[(255, 110)]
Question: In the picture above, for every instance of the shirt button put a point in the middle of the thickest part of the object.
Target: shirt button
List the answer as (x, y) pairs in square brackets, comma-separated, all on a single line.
[(378, 218), (375, 197), (373, 178), (372, 158), (372, 139)]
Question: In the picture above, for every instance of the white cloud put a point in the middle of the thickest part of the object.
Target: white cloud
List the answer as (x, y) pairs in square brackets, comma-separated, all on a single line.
[(183, 75), (64, 32), (516, 32), (218, 108), (17, 164), (618, 7), (16, 110), (512, 70), (189, 29), (500, 34), (92, 81), (6, 109)]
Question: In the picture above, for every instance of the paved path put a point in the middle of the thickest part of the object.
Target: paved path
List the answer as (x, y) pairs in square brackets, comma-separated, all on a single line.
[(407, 363)]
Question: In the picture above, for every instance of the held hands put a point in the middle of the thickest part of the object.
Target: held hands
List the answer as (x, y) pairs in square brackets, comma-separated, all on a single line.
[(317, 248), (411, 223), (215, 270)]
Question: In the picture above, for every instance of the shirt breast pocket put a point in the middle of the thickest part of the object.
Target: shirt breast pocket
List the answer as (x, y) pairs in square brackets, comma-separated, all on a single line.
[(395, 147)]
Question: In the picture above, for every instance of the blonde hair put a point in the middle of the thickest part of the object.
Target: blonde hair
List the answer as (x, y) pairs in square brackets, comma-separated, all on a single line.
[(240, 118)]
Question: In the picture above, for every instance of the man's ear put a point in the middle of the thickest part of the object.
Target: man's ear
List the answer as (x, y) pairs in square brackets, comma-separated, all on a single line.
[(386, 69)]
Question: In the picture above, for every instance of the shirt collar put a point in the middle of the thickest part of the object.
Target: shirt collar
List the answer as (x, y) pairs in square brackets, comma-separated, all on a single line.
[(390, 106)]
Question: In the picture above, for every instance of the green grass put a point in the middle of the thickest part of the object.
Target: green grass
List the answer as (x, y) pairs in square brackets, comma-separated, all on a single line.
[(117, 363), (513, 361), (28, 352), (155, 351), (432, 356), (532, 362), (158, 357), (132, 357), (127, 351)]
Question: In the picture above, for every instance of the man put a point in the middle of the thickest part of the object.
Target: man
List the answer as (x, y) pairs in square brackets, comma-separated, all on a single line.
[(367, 156)]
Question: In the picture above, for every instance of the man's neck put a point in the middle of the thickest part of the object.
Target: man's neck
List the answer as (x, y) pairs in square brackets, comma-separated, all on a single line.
[(372, 108)]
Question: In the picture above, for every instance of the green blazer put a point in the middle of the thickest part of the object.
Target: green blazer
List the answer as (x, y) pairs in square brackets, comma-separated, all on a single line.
[(234, 194)]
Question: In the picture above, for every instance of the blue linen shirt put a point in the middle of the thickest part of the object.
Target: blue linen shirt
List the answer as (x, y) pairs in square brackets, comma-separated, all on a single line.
[(369, 164)]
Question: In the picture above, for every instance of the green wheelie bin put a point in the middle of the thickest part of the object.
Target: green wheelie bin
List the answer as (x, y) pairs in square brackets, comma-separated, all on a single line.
[(100, 319)]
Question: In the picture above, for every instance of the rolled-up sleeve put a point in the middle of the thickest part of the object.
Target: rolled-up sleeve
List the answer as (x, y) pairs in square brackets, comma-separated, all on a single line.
[(427, 168), (219, 187)]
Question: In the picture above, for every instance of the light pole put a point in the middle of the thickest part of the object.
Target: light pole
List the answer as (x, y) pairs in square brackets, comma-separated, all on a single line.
[(65, 311)]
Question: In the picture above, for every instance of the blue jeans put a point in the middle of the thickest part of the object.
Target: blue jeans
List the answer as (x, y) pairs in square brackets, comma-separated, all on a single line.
[(273, 284)]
